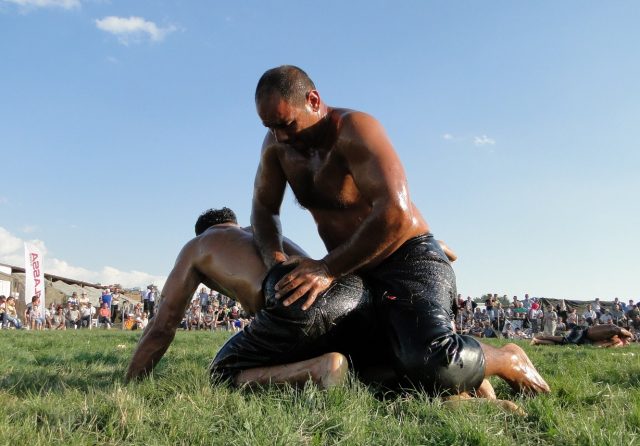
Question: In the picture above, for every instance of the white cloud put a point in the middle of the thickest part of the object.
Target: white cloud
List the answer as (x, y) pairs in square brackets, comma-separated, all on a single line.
[(33, 4), (483, 140), (133, 29), (447, 136), (29, 229), (12, 253)]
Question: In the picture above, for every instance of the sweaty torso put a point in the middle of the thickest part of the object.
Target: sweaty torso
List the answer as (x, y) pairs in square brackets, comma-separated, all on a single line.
[(229, 263), (322, 182)]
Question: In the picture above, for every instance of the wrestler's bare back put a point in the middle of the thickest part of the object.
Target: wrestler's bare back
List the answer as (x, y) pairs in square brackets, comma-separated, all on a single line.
[(227, 260)]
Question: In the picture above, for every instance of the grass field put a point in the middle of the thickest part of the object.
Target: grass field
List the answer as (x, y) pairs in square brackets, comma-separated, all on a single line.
[(67, 388)]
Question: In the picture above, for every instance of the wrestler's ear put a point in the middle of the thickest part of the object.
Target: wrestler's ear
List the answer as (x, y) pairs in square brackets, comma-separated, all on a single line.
[(313, 101)]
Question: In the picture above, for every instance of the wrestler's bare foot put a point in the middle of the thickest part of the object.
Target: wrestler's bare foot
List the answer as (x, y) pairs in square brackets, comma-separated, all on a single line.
[(520, 373), (335, 370), (326, 371)]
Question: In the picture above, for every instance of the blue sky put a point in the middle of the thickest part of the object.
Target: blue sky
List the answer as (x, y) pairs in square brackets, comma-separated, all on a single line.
[(517, 123)]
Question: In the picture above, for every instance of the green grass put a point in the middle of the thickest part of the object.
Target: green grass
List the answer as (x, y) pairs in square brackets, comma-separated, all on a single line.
[(67, 388)]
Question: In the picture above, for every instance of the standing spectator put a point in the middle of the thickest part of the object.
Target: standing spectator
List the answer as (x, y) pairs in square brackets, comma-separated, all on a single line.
[(526, 303), (534, 318), (104, 315), (106, 297), (84, 299), (617, 301), (115, 304), (469, 304), (144, 294), (151, 300), (561, 308), (73, 299), (11, 314), (550, 319), (204, 299), (589, 315)]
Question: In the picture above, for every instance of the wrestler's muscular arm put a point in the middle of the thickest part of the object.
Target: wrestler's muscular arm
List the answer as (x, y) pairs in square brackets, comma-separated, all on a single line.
[(380, 179), (268, 192), (176, 293)]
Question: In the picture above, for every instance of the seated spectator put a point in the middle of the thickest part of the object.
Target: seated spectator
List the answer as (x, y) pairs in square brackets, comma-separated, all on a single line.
[(519, 334), (488, 331), (561, 328), (634, 327), (33, 315), (572, 319), (143, 321), (605, 317), (11, 314), (104, 316), (58, 321), (129, 322), (209, 318), (632, 311), (48, 316), (195, 317), (617, 313), (85, 315), (3, 309), (72, 316), (582, 322), (477, 329), (590, 315), (233, 320), (221, 319), (508, 332)]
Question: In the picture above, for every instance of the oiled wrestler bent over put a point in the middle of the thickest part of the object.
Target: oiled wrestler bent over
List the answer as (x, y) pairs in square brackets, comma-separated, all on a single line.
[(414, 337)]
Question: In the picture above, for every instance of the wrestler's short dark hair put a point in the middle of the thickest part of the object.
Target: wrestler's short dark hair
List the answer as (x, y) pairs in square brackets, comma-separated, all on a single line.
[(289, 81), (212, 217)]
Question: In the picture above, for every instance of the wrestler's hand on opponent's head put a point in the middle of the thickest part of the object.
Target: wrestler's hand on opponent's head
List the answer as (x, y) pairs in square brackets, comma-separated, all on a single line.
[(310, 277)]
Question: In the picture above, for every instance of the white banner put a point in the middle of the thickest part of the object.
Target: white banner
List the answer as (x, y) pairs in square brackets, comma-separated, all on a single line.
[(34, 283)]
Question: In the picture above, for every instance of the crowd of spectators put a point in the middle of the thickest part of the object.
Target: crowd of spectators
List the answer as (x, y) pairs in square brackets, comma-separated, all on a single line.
[(491, 316), (208, 311), (522, 319)]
